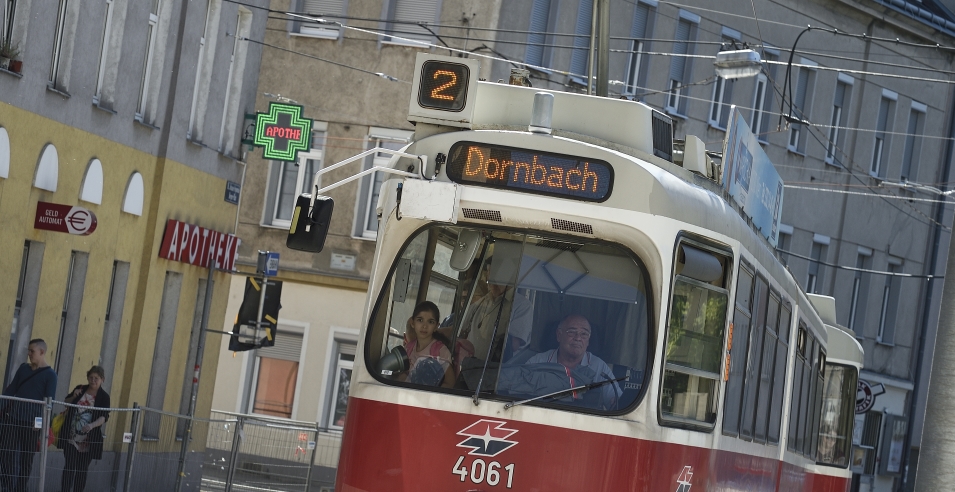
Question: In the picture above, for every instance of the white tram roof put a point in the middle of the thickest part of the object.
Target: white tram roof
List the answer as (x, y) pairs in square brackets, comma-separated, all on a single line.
[(615, 126)]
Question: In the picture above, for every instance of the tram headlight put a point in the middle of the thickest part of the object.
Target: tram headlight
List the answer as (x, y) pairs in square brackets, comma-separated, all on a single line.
[(394, 363)]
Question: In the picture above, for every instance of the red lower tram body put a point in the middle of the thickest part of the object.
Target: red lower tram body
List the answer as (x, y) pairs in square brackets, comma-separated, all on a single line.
[(395, 448)]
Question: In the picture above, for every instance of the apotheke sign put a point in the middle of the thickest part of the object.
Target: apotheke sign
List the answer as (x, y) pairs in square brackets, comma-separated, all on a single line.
[(64, 218), (195, 245)]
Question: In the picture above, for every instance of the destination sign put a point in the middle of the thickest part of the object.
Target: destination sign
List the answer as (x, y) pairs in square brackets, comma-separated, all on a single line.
[(530, 171)]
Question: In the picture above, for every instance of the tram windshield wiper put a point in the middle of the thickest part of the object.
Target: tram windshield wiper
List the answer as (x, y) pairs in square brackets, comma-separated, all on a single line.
[(562, 392)]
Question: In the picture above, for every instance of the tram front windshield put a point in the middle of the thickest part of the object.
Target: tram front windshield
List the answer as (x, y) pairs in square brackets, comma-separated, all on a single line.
[(533, 319)]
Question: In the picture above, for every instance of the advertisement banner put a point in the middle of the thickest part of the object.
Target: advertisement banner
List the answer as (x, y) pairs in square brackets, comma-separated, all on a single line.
[(751, 179)]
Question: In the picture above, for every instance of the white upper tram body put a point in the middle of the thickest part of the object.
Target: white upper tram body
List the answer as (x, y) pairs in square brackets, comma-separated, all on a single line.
[(683, 238)]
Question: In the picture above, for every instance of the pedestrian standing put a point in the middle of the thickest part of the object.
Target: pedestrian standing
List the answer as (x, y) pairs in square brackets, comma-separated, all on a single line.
[(19, 437), (81, 436)]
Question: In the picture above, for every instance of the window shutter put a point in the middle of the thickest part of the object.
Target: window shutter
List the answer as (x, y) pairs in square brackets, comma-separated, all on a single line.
[(540, 15), (288, 346), (346, 348), (415, 11), (580, 56), (678, 64), (641, 15), (325, 7)]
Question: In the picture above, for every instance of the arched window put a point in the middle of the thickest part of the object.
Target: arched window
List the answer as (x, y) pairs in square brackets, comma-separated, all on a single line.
[(47, 170), (4, 154), (91, 190), (133, 199)]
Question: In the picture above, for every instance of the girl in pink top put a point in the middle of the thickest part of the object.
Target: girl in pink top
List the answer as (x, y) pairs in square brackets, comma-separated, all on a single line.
[(429, 358)]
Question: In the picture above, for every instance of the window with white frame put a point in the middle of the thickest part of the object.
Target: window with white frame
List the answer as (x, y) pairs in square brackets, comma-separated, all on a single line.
[(340, 384), (840, 112), (636, 74), (366, 215), (784, 241), (860, 292), (883, 128), (147, 84), (580, 56), (801, 105), (288, 180), (817, 255), (890, 302), (275, 375), (233, 90), (680, 65), (104, 53), (542, 20), (327, 9), (58, 40), (913, 142), (207, 55), (6, 19), (404, 17), (723, 88), (763, 96)]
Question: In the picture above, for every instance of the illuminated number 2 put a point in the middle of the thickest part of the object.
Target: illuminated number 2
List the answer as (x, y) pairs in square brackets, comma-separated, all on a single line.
[(436, 93)]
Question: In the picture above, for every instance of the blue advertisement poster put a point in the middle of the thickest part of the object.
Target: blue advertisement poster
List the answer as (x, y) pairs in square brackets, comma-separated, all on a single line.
[(751, 179)]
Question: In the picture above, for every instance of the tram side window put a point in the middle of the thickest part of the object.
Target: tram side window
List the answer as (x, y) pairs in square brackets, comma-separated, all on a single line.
[(779, 378), (807, 393), (766, 372), (694, 345), (738, 346), (815, 400), (754, 359), (758, 352), (838, 414), (524, 317)]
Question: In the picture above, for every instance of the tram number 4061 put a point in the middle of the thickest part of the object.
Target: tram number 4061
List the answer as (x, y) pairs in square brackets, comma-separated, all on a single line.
[(483, 472)]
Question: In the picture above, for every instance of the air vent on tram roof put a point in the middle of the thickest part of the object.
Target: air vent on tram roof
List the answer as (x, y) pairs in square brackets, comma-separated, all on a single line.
[(662, 135), (480, 214), (566, 225)]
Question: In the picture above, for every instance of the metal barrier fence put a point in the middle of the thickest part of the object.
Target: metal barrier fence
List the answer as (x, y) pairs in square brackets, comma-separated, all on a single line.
[(149, 450)]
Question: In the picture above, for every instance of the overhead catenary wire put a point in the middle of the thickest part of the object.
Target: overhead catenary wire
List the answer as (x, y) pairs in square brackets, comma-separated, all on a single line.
[(859, 193), (343, 65), (861, 270), (429, 27)]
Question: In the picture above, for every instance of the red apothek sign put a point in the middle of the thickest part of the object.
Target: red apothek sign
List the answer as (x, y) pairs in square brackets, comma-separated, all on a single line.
[(64, 218), (196, 245)]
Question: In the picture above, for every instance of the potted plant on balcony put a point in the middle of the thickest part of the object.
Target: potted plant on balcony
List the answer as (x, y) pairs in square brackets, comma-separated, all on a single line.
[(9, 51)]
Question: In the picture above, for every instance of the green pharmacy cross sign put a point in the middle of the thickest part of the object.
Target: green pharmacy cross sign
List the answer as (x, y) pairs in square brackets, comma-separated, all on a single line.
[(283, 132)]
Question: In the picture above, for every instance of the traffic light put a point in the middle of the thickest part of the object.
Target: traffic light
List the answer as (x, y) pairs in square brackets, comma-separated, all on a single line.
[(244, 333)]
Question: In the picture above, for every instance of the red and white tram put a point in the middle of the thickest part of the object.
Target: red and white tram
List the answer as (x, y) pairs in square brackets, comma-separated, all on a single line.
[(699, 363)]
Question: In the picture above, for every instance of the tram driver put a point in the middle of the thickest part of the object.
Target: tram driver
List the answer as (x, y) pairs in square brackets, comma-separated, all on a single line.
[(574, 365)]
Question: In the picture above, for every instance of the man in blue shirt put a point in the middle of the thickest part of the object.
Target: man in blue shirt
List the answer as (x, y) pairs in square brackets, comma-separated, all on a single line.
[(573, 338), (19, 438)]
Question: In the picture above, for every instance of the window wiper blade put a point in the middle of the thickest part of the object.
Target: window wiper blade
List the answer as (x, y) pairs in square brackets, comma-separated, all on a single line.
[(562, 392)]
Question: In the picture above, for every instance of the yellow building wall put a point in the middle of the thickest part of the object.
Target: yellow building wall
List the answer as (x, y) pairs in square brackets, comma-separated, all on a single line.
[(172, 190)]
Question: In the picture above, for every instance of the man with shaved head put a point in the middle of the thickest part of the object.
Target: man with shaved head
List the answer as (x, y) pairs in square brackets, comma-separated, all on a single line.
[(573, 338), (34, 380)]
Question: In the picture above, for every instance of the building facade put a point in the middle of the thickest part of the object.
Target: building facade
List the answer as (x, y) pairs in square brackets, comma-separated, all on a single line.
[(860, 133), (130, 111), (862, 140), (305, 376)]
